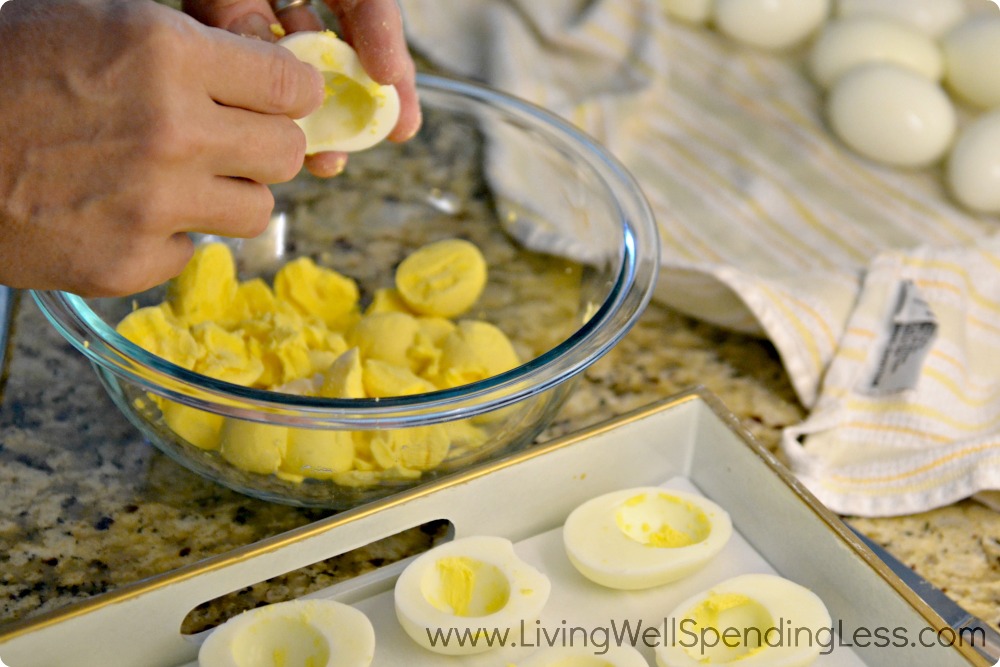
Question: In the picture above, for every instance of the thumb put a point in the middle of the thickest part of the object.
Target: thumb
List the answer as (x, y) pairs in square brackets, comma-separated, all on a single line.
[(251, 18)]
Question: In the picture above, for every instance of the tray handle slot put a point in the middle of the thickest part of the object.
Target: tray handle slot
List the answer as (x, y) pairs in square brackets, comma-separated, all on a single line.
[(197, 624), (104, 630)]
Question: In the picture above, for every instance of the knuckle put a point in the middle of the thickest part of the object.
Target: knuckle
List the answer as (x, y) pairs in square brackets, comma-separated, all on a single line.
[(285, 78), (293, 155), (167, 138), (259, 214)]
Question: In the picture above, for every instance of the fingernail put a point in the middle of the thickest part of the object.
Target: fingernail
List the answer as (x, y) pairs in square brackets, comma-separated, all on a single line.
[(253, 25)]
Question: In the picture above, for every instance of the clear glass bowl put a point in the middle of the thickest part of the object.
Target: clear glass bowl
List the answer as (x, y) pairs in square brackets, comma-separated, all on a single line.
[(572, 251)]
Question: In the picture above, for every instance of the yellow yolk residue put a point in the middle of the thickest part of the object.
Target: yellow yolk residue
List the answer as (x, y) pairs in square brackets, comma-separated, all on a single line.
[(470, 587), (662, 520), (730, 610), (307, 335)]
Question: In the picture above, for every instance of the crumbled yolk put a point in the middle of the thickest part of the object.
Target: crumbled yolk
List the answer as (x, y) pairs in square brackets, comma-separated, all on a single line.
[(308, 336)]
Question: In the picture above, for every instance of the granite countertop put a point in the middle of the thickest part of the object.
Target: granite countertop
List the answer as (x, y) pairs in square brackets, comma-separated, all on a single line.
[(87, 506)]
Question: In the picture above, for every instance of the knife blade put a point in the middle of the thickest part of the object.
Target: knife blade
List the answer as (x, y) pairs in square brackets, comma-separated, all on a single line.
[(984, 638)]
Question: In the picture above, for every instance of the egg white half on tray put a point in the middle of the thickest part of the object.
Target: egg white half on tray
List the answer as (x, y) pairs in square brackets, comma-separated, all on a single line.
[(357, 112), (644, 537), (313, 633), (753, 620), (465, 586)]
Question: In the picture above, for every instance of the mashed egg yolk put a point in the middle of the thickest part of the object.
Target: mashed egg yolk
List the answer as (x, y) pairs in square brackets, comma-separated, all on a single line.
[(307, 335)]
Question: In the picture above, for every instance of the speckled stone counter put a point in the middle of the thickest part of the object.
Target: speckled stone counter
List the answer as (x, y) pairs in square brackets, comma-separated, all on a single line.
[(87, 506)]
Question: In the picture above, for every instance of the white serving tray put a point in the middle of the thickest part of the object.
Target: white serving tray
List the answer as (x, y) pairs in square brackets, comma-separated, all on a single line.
[(687, 442)]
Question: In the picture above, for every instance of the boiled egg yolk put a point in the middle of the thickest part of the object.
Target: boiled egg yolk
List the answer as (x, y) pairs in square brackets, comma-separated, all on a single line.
[(308, 336), (644, 537), (442, 279), (750, 620), (298, 633), (468, 587), (356, 112), (615, 656)]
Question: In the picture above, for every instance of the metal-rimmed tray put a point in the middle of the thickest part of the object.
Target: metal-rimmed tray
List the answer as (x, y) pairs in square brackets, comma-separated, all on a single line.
[(691, 437)]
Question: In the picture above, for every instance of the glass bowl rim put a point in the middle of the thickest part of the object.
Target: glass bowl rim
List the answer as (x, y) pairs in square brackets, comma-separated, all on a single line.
[(630, 293)]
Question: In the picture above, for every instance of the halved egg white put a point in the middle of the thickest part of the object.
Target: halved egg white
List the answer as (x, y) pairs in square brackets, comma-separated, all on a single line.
[(297, 633), (468, 589), (753, 620), (357, 112), (564, 656), (644, 537)]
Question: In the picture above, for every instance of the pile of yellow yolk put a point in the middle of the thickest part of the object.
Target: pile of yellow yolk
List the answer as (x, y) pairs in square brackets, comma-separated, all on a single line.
[(308, 335)]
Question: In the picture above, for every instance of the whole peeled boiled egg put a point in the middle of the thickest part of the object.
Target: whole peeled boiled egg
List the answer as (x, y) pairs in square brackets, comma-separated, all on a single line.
[(644, 537), (356, 112), (689, 11), (297, 633), (754, 620), (770, 24), (458, 597), (569, 656), (972, 57), (846, 43), (973, 169), (932, 17), (892, 115)]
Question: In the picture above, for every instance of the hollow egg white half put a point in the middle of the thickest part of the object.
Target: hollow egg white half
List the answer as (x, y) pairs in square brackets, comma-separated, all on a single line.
[(474, 588), (357, 112), (567, 656), (297, 633), (644, 537), (753, 620)]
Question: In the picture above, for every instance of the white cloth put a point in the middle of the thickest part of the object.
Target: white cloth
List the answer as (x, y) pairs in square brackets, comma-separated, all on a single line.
[(769, 226)]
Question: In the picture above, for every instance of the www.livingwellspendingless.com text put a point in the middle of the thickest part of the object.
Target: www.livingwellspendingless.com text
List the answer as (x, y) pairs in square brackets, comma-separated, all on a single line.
[(687, 634)]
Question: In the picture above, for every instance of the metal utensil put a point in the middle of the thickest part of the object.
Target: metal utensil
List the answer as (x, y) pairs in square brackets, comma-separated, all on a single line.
[(984, 638)]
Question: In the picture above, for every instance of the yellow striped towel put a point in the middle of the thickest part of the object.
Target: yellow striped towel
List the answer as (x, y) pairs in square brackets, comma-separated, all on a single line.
[(769, 226)]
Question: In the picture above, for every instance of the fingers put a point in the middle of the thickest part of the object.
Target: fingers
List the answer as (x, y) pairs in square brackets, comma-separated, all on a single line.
[(265, 78), (326, 165), (409, 110), (250, 18), (258, 147), (375, 30), (297, 19), (231, 207)]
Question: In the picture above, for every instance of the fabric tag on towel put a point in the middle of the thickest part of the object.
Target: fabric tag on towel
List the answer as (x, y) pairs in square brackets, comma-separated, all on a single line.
[(913, 329)]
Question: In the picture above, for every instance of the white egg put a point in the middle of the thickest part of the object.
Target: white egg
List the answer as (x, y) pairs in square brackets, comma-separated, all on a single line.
[(770, 24), (466, 586), (643, 537), (931, 17), (689, 11), (754, 620), (298, 633), (972, 59), (559, 656), (846, 43), (973, 169), (892, 115), (357, 112)]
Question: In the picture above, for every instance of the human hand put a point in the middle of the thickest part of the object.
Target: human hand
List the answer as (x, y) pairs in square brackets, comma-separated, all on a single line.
[(126, 124), (373, 27)]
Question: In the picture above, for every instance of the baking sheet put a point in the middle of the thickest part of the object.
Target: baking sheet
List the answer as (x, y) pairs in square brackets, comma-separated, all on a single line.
[(688, 440)]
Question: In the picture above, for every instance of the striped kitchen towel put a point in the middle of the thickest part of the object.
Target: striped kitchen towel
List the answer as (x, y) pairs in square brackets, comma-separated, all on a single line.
[(880, 294)]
